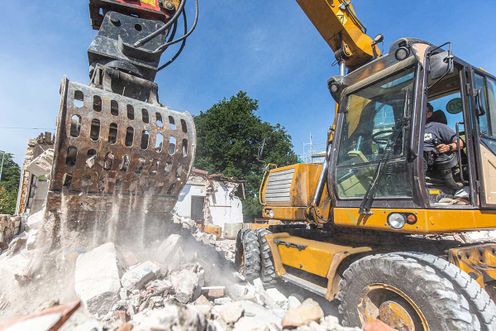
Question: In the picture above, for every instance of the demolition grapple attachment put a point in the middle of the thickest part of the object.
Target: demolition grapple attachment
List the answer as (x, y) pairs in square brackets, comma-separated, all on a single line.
[(121, 157)]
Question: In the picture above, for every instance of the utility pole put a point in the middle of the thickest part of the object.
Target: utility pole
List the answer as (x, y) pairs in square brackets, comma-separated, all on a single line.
[(1, 164)]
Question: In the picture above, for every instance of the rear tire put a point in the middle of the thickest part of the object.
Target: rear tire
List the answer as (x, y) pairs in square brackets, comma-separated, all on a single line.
[(428, 297), (268, 272), (247, 258)]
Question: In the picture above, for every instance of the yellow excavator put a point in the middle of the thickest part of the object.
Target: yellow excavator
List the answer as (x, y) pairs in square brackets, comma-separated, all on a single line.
[(390, 224)]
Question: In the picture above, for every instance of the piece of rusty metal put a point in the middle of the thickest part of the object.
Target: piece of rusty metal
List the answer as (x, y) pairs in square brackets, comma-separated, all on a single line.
[(51, 319), (396, 316), (116, 155), (479, 261)]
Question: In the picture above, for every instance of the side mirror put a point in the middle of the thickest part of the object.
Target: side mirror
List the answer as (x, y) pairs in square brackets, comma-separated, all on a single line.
[(478, 103), (441, 64), (336, 86)]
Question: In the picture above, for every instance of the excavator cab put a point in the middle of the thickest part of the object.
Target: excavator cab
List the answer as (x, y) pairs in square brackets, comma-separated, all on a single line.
[(377, 162)]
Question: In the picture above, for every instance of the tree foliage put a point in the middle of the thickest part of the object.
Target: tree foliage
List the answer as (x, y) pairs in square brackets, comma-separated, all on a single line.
[(9, 183), (233, 140)]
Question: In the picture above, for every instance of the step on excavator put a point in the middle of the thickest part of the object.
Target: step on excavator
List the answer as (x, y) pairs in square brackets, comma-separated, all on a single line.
[(119, 153), (385, 225)]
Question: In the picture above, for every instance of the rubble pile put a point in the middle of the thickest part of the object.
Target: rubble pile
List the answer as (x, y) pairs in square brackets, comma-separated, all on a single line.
[(184, 282), (150, 296), (9, 227)]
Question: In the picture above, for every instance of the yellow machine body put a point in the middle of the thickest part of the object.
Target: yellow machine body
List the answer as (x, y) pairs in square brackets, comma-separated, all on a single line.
[(286, 192)]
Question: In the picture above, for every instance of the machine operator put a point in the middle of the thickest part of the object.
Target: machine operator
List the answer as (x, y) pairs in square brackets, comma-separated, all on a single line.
[(440, 145)]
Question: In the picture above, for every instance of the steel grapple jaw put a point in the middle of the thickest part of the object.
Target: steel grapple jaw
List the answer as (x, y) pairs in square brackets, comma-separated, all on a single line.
[(119, 163)]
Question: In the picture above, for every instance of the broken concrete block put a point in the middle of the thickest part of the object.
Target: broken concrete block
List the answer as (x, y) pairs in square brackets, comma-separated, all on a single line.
[(202, 300), (293, 302), (256, 317), (202, 309), (138, 276), (258, 284), (17, 243), (97, 278), (307, 312), (170, 251), (42, 164), (170, 317), (186, 284), (214, 292), (277, 297), (230, 313), (159, 287), (222, 301), (187, 223)]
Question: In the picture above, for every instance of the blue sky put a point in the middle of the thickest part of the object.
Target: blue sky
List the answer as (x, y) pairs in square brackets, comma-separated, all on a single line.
[(267, 48)]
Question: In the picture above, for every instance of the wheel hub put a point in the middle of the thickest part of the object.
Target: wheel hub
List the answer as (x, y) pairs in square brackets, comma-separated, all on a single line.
[(391, 306), (396, 316)]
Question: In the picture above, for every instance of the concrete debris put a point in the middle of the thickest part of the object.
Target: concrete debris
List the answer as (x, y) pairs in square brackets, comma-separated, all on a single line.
[(277, 297), (214, 291), (17, 243), (305, 313), (170, 252), (230, 313), (222, 301), (256, 317), (10, 226), (97, 278), (187, 284), (139, 275), (293, 302), (42, 164), (170, 317)]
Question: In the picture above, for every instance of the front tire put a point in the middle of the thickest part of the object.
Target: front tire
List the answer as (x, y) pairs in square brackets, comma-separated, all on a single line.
[(405, 292)]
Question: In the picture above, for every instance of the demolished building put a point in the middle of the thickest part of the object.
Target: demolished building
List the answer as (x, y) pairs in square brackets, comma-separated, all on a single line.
[(212, 199)]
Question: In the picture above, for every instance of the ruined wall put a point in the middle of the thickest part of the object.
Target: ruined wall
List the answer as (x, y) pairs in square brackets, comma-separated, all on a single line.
[(35, 148), (9, 227)]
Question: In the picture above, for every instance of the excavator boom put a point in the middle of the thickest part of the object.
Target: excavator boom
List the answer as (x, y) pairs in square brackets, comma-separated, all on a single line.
[(338, 24)]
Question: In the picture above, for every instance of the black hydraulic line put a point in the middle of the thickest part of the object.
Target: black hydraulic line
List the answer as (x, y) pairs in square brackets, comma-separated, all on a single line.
[(179, 51), (173, 32), (174, 18), (193, 27)]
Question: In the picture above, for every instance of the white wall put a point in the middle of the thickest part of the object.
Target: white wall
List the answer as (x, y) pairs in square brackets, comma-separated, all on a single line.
[(224, 206), (183, 205), (227, 208)]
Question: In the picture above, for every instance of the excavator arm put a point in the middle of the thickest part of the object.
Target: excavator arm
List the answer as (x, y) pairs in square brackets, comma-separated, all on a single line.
[(338, 24)]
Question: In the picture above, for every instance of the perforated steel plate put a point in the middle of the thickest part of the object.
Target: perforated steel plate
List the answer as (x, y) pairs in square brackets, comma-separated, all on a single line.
[(109, 147)]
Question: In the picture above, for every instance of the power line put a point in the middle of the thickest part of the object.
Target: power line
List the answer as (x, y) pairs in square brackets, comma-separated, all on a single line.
[(24, 128)]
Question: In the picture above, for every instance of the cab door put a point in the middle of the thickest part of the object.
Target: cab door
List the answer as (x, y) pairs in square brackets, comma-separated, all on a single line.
[(484, 101)]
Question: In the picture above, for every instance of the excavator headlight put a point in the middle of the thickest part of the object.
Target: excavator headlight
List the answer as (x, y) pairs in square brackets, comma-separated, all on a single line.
[(402, 53), (269, 213), (396, 220)]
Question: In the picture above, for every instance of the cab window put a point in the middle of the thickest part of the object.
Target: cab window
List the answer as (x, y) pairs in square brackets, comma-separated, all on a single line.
[(487, 102), (373, 119)]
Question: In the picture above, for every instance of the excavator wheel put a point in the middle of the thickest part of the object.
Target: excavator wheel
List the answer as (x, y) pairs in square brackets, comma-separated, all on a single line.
[(268, 271), (247, 257), (413, 291)]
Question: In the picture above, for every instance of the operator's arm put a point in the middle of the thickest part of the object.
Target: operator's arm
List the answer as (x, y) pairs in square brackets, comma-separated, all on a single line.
[(449, 140)]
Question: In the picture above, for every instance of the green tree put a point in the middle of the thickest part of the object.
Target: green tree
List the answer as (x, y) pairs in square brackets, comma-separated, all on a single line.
[(233, 140), (9, 184)]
